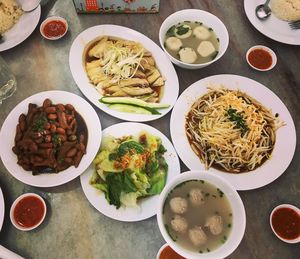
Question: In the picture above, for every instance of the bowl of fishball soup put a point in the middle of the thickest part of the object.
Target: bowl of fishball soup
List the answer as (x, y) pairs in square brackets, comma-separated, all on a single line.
[(193, 38), (200, 215)]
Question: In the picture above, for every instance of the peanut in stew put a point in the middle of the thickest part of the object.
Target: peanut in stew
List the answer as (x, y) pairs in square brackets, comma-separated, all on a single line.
[(50, 138)]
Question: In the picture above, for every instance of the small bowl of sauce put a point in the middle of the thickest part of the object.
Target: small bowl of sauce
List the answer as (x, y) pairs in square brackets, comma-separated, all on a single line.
[(285, 223), (261, 58), (28, 211), (166, 252), (54, 28)]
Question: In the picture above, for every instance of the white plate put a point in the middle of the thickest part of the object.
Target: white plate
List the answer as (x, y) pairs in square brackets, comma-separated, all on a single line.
[(284, 148), (272, 27), (147, 206), (22, 29), (171, 88), (7, 135), (2, 209)]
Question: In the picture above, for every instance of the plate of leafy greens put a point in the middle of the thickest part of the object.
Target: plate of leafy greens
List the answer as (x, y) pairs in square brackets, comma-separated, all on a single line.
[(134, 163)]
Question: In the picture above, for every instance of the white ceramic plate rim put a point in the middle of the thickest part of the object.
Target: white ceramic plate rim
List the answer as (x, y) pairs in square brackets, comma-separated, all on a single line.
[(284, 148), (8, 130), (237, 206), (147, 207), (2, 208), (272, 27), (22, 29), (171, 88)]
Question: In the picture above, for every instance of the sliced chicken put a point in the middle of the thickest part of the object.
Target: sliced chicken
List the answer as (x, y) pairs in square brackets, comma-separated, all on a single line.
[(135, 91), (134, 82), (99, 49)]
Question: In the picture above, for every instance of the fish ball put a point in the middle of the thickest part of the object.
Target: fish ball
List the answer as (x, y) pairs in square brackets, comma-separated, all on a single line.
[(178, 205), (206, 48), (215, 224), (183, 31), (187, 55), (179, 224), (201, 33), (197, 236), (196, 197), (173, 43)]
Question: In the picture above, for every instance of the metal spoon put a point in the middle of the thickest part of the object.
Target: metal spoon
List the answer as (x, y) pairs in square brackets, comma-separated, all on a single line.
[(263, 11), (30, 5)]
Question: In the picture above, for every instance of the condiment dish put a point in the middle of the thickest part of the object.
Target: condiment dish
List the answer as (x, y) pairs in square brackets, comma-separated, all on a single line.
[(285, 223), (161, 255), (266, 60), (54, 28), (201, 16), (238, 215), (35, 208)]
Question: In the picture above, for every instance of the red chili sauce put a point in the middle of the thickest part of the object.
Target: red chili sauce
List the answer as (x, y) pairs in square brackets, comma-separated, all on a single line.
[(260, 58), (169, 253), (286, 223), (54, 28), (29, 211)]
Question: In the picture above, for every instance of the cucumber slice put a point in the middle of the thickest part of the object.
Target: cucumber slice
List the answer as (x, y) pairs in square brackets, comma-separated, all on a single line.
[(133, 101), (131, 108)]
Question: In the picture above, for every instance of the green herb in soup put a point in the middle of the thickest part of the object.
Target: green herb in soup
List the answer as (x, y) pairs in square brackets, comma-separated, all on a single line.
[(192, 42), (198, 216)]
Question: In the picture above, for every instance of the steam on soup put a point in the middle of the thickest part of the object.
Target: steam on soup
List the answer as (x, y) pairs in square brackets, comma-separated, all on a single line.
[(198, 216), (192, 42)]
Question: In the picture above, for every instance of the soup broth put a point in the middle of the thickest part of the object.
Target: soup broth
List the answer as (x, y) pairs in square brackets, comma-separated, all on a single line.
[(190, 35), (214, 203)]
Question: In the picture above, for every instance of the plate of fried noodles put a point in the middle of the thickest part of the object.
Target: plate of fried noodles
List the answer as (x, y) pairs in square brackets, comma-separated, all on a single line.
[(235, 127)]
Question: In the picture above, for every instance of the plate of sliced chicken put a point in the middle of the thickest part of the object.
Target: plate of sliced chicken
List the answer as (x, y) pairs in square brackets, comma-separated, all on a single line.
[(124, 73)]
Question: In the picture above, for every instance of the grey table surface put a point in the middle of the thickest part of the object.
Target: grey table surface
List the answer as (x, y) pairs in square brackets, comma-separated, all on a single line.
[(73, 228)]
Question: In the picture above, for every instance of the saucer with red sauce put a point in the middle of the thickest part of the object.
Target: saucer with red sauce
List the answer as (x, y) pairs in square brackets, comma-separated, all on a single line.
[(285, 223), (28, 211), (261, 58), (54, 28)]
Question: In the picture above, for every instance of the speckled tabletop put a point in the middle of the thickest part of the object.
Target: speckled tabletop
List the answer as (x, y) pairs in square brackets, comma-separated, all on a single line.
[(73, 228)]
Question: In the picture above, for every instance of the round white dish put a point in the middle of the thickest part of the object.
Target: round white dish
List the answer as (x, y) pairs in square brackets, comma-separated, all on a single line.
[(147, 206), (270, 51), (238, 212), (297, 210), (2, 209), (7, 135), (284, 148), (207, 19), (22, 29), (171, 88), (13, 206), (53, 18), (272, 27)]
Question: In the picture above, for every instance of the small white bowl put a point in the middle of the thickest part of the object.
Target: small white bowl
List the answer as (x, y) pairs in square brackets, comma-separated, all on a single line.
[(53, 18), (161, 249), (12, 219), (297, 210), (274, 57), (238, 212), (206, 18)]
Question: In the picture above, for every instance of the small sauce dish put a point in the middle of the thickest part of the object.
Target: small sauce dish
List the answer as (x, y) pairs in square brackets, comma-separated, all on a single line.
[(166, 252), (54, 28), (285, 223), (28, 211), (261, 58)]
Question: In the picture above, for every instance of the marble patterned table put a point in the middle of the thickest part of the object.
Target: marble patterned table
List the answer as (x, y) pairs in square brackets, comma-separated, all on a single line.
[(73, 228)]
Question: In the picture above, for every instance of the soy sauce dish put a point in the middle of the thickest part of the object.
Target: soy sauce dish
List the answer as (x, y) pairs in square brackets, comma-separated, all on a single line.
[(261, 58), (54, 28), (28, 211), (200, 215), (285, 223)]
